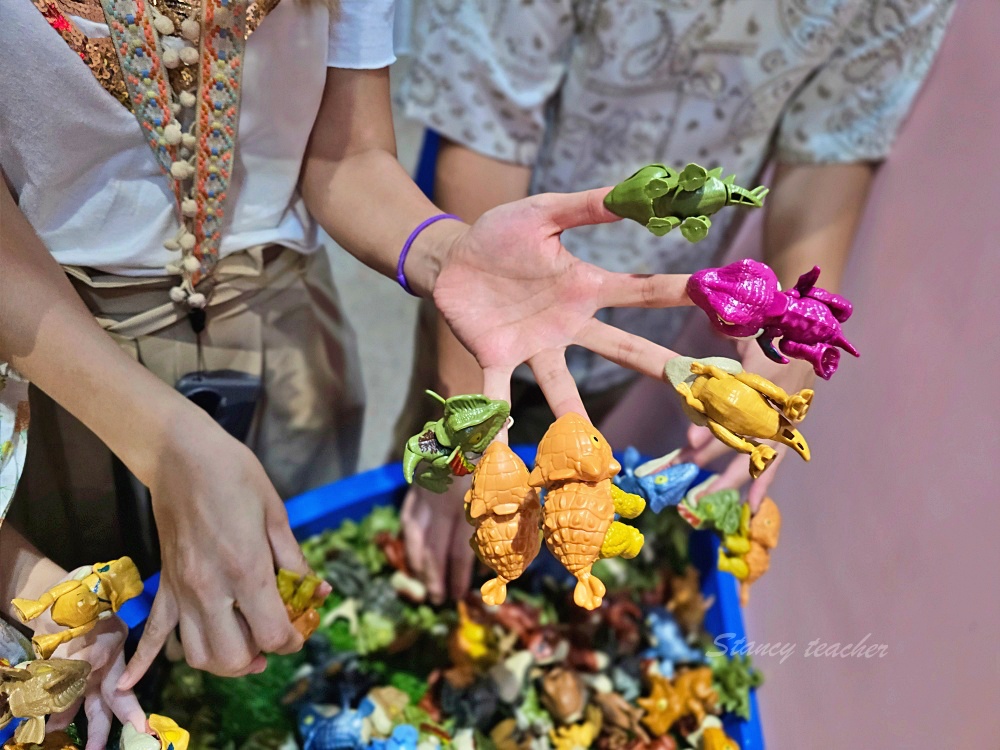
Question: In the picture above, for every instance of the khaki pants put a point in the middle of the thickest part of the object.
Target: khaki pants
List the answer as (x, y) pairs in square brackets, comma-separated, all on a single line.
[(273, 314)]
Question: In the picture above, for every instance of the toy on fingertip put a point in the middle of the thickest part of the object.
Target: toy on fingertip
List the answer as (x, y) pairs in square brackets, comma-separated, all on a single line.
[(34, 689), (660, 482), (661, 198), (740, 407), (163, 734), (79, 604), (744, 299), (575, 466), (448, 447), (752, 559), (301, 600), (506, 513)]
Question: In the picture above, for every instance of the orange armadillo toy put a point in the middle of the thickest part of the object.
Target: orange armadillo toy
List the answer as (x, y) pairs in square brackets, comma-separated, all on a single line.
[(506, 512), (575, 465)]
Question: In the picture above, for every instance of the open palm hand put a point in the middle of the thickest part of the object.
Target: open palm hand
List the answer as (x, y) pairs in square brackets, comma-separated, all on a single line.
[(512, 294)]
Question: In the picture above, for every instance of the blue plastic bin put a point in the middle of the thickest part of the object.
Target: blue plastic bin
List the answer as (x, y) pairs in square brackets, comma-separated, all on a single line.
[(326, 507)]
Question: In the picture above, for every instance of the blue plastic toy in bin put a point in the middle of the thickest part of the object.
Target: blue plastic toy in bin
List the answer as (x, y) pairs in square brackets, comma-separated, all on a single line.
[(354, 497)]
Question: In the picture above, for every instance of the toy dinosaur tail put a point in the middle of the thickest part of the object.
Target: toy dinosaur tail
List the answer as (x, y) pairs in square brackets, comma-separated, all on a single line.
[(31, 731), (589, 591), (495, 591)]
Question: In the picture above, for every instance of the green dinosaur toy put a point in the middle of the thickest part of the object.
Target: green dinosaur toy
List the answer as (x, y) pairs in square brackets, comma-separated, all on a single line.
[(719, 511), (446, 448), (732, 679), (661, 198)]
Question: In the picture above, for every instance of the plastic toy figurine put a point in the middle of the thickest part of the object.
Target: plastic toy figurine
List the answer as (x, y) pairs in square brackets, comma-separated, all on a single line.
[(739, 406), (711, 736), (448, 446), (747, 554), (618, 712), (564, 695), (720, 511), (745, 299), (164, 734), (732, 679), (299, 595), (660, 482), (507, 515), (580, 735), (765, 528), (472, 647), (694, 686), (342, 731), (668, 644), (686, 603), (403, 737), (663, 706), (575, 465), (52, 741), (35, 689), (79, 603), (661, 198)]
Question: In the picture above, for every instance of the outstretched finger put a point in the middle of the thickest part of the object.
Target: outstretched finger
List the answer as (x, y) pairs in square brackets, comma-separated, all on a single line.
[(557, 383), (643, 290), (567, 210), (734, 476), (702, 448), (98, 721), (760, 486), (285, 548), (496, 385), (460, 561), (58, 722), (625, 349), (163, 618)]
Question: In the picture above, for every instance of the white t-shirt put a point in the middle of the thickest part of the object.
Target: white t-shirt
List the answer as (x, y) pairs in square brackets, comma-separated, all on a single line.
[(85, 177)]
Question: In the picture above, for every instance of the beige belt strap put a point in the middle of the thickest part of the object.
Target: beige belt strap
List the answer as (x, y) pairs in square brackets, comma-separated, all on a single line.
[(132, 307)]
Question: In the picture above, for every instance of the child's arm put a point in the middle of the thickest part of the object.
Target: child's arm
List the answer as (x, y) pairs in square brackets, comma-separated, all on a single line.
[(27, 574)]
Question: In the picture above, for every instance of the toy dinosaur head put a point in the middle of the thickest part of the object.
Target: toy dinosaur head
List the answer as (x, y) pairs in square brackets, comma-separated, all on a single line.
[(791, 437), (41, 687), (472, 421), (661, 482), (572, 449), (739, 298), (719, 510)]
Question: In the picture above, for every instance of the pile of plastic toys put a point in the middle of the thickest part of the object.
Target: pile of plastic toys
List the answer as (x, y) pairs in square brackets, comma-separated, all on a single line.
[(386, 670)]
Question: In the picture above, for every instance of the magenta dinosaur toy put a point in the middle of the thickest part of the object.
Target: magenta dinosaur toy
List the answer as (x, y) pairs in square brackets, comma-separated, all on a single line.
[(744, 299)]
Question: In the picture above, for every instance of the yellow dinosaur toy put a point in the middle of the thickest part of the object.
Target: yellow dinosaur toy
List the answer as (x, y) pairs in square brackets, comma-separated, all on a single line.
[(575, 465), (740, 407), (300, 598), (506, 513), (78, 604)]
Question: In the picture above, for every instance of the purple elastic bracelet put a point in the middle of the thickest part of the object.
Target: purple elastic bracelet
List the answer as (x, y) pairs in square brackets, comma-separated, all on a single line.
[(400, 276)]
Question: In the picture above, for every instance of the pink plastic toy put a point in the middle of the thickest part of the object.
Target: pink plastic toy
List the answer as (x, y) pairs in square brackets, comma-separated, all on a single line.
[(744, 299)]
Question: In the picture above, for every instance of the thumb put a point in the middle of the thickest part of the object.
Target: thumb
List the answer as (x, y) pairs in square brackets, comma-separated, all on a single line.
[(162, 620)]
